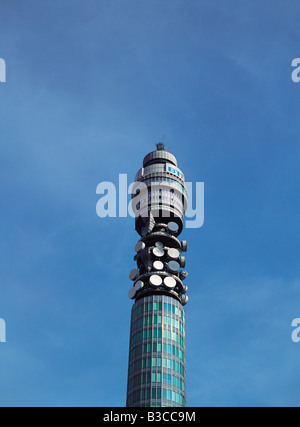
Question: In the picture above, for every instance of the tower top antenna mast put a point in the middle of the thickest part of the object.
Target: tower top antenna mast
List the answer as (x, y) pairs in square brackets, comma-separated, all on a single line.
[(160, 146)]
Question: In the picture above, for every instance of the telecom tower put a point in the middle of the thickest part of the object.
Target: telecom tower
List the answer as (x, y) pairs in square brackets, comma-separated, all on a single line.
[(156, 369)]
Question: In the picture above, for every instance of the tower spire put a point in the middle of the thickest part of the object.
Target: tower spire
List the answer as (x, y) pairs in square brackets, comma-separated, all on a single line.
[(160, 146)]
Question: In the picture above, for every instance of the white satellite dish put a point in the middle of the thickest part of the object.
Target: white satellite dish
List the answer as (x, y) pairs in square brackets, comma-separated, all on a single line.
[(155, 280), (173, 253), (158, 265), (170, 282), (158, 252)]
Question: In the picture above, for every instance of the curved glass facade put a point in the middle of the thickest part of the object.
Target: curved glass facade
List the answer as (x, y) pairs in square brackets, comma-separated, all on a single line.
[(156, 370)]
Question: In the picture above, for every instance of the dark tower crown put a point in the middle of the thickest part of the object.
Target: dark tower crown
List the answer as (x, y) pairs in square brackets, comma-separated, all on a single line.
[(159, 207)]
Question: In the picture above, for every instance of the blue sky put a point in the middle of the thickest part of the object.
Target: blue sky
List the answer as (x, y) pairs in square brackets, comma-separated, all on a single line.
[(90, 86)]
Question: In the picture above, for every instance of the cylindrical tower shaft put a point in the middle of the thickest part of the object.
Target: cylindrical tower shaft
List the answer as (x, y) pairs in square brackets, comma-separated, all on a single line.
[(156, 370)]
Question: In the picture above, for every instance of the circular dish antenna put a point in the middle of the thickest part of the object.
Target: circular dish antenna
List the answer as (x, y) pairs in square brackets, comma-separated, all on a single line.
[(173, 227), (139, 285), (184, 289), (184, 299), (184, 246), (182, 261), (155, 280), (134, 274), (183, 275), (170, 282), (159, 245), (131, 293), (173, 267), (158, 265), (158, 252), (139, 246), (173, 253)]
